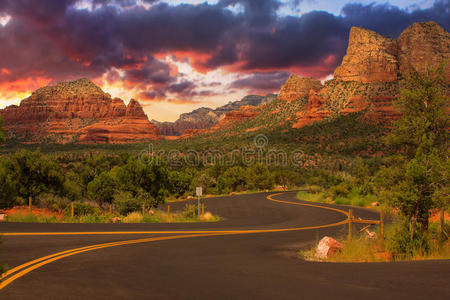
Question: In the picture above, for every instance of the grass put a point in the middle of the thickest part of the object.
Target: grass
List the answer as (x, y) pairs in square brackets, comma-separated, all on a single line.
[(135, 217), (361, 249), (352, 198)]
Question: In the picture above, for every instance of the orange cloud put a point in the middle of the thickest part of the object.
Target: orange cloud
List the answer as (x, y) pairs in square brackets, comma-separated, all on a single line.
[(20, 88)]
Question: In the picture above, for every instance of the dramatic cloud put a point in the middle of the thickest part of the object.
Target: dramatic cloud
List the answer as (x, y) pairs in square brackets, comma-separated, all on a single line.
[(128, 41), (265, 82)]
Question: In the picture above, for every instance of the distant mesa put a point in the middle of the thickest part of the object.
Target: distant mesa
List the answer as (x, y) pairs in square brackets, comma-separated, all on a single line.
[(77, 112)]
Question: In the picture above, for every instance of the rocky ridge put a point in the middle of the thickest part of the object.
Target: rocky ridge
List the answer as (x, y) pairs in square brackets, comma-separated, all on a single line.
[(204, 118)]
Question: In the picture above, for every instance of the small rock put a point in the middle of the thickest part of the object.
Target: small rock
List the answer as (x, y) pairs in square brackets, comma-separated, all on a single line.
[(327, 247), (3, 217), (189, 198), (151, 212), (116, 220), (376, 203), (232, 193)]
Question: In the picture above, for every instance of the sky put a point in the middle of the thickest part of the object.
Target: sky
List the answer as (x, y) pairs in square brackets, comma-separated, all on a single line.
[(175, 56)]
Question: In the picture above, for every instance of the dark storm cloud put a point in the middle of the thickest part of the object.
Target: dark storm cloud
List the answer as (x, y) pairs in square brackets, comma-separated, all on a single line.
[(53, 38), (390, 20), (152, 72), (269, 81)]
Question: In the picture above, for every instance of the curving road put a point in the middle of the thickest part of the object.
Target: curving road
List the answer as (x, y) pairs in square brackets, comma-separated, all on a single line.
[(251, 254)]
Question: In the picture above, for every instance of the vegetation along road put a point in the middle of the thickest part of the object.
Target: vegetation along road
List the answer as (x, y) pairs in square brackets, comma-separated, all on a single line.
[(251, 254)]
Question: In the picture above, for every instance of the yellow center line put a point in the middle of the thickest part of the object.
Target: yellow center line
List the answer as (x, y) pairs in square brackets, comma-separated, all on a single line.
[(34, 264)]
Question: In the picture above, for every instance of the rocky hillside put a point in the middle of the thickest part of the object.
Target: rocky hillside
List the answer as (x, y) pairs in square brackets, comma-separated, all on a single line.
[(365, 84), (76, 112), (204, 118)]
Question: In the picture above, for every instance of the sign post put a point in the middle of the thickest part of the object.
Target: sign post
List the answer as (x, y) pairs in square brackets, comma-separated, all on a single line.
[(198, 192)]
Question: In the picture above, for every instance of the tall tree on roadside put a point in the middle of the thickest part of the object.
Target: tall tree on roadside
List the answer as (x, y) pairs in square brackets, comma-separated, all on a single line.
[(421, 135)]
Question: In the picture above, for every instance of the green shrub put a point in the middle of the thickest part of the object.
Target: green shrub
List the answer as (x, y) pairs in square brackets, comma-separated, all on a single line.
[(125, 203), (342, 189), (401, 244), (190, 211), (81, 209)]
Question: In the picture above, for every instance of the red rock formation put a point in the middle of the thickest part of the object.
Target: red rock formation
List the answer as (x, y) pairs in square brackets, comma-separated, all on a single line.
[(77, 111), (237, 116), (296, 88), (424, 45), (314, 111), (370, 57), (368, 78)]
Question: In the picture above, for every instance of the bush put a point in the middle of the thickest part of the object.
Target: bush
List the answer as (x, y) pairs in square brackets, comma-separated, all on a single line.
[(55, 203), (190, 211), (342, 189), (81, 209), (125, 203), (401, 244)]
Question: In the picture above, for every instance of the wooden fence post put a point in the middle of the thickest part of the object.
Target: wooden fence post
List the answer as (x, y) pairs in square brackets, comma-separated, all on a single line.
[(203, 209), (143, 208), (110, 209), (29, 203), (168, 210), (382, 229), (442, 221), (71, 209), (350, 224)]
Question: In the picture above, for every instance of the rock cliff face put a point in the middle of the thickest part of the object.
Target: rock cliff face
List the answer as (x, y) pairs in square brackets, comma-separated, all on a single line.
[(79, 112), (422, 45), (205, 118), (297, 88), (368, 78), (370, 57)]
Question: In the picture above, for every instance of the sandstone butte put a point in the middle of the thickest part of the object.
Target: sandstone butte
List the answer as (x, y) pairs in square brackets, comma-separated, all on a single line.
[(368, 78), (77, 112)]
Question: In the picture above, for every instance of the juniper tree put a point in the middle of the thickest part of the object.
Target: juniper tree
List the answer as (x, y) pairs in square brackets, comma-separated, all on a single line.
[(421, 136)]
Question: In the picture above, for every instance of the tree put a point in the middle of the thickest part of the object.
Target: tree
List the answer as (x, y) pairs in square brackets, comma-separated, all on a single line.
[(179, 182), (286, 178), (102, 188), (421, 133), (232, 179), (259, 177), (33, 174), (8, 185), (2, 132)]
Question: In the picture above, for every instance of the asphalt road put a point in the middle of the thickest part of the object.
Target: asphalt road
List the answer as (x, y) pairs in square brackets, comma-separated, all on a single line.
[(182, 262)]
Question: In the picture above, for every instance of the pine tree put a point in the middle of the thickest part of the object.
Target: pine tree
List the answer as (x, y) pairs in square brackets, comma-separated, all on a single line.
[(421, 135)]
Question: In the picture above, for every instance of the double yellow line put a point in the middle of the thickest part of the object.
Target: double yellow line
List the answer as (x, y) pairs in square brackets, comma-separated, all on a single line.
[(27, 267)]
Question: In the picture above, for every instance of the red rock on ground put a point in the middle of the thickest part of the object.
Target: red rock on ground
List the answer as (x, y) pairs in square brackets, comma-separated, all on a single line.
[(327, 247)]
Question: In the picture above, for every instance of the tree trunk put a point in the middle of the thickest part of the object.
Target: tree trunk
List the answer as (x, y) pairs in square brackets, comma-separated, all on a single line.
[(413, 227)]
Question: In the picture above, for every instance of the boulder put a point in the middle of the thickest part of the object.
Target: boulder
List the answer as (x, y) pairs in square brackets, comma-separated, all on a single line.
[(327, 247)]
